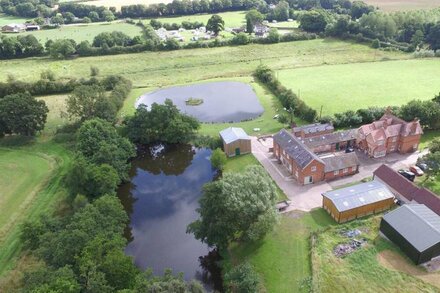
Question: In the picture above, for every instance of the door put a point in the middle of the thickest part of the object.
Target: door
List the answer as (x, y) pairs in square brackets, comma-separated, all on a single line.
[(237, 151), (337, 146), (308, 179)]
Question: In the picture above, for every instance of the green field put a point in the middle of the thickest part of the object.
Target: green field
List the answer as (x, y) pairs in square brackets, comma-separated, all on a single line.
[(352, 86), (6, 19), (57, 110), (360, 271), (402, 5), (158, 69), (282, 258), (84, 32), (119, 3), (232, 19)]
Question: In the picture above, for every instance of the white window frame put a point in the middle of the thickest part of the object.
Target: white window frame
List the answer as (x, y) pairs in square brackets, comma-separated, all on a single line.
[(336, 172), (345, 170), (395, 139), (415, 146), (313, 168)]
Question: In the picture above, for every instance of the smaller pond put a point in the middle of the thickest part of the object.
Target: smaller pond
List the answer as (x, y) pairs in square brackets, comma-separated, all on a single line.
[(224, 101), (161, 200)]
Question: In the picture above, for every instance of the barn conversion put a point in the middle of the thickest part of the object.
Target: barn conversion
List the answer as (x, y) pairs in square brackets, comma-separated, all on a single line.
[(331, 142), (235, 141), (415, 229), (356, 201), (312, 130)]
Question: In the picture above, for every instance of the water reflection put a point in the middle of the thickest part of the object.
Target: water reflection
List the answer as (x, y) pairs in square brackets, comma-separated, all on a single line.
[(225, 101), (161, 200)]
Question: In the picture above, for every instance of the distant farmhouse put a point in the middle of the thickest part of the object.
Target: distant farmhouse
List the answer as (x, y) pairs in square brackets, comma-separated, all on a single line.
[(357, 201), (389, 134), (13, 28), (415, 229), (235, 141), (306, 166)]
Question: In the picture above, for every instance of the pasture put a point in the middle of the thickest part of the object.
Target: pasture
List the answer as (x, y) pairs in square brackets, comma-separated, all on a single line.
[(232, 19), (84, 32), (119, 3), (6, 19), (352, 86), (362, 270), (159, 69), (402, 5)]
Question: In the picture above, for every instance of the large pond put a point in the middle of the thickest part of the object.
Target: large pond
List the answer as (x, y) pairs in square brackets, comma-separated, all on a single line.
[(225, 101), (161, 200)]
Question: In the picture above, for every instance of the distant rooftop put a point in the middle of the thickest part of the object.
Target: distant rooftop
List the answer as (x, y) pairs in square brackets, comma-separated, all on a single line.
[(333, 163), (417, 224), (358, 195), (314, 128), (329, 138), (232, 134)]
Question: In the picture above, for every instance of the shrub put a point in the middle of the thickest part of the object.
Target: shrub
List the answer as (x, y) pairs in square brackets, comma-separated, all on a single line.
[(242, 279)]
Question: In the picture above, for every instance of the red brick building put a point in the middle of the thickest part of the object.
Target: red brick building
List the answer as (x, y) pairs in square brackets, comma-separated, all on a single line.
[(389, 134), (312, 130), (305, 166)]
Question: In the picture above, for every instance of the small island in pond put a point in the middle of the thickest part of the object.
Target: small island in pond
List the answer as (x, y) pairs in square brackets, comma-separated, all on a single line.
[(193, 102)]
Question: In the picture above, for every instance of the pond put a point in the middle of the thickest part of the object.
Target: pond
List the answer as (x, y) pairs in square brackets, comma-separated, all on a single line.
[(161, 200), (224, 101)]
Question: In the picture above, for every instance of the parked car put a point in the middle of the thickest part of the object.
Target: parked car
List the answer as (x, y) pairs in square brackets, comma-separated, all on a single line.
[(398, 202), (407, 174), (416, 170), (349, 150), (422, 166)]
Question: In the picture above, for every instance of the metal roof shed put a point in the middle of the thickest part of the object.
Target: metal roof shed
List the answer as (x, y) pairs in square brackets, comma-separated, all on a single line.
[(415, 229), (356, 201), (235, 141)]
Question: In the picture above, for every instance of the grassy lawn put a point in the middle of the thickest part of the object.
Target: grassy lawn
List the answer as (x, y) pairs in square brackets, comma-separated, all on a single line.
[(57, 106), (352, 86), (402, 5), (85, 32), (285, 24), (119, 3), (282, 258), (427, 137), (232, 19), (361, 270), (159, 69), (6, 19)]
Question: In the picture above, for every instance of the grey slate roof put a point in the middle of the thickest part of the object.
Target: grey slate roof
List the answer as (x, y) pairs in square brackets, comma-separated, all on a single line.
[(295, 149), (232, 134), (330, 138), (358, 195), (313, 128), (417, 224), (340, 162)]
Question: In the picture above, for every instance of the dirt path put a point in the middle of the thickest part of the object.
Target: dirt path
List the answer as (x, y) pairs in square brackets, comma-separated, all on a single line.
[(396, 262)]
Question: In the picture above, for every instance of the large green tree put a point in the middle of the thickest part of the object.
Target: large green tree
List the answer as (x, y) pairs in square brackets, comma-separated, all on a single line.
[(61, 49), (90, 101), (215, 24), (22, 114), (239, 206), (253, 17), (100, 143), (163, 123)]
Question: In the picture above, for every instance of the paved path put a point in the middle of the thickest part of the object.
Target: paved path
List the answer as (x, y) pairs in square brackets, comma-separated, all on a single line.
[(308, 197)]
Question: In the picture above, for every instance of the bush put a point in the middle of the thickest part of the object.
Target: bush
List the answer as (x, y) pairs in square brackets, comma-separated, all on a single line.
[(242, 279), (218, 159)]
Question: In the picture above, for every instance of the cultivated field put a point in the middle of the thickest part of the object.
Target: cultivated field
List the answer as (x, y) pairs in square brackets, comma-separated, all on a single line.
[(232, 19), (361, 270), (352, 86), (84, 32), (400, 5)]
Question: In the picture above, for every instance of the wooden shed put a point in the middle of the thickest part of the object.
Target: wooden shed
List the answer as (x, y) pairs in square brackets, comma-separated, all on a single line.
[(357, 201), (235, 141)]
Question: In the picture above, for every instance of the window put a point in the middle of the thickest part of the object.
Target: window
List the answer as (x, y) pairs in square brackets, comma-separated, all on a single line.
[(395, 139), (336, 172), (296, 174), (345, 170), (313, 168), (380, 142), (415, 146)]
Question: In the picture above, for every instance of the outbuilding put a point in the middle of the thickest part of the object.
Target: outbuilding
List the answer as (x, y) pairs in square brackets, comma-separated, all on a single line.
[(235, 141), (357, 201), (415, 229)]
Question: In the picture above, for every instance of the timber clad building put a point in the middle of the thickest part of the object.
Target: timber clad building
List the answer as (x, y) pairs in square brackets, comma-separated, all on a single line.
[(357, 201), (307, 167), (415, 229), (235, 141)]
